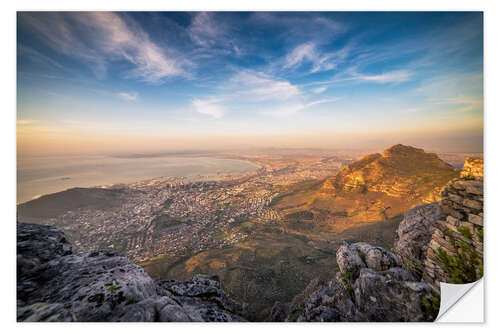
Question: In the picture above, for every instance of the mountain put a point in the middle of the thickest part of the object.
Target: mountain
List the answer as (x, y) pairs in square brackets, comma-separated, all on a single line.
[(375, 188), (400, 171)]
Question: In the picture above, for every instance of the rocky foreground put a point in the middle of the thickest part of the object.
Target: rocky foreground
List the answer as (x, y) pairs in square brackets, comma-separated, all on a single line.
[(371, 286), (54, 284)]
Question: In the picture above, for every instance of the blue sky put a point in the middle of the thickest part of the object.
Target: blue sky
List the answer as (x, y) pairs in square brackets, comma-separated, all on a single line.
[(94, 81)]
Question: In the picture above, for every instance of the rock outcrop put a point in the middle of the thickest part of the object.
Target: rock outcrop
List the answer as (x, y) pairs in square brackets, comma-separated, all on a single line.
[(455, 252), (54, 284), (413, 236), (371, 286), (473, 168)]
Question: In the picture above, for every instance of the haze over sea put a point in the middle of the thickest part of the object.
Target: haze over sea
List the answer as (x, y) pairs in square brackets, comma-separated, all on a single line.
[(38, 175)]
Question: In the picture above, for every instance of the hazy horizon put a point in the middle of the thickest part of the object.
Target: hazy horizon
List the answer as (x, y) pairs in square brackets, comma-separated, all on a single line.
[(103, 82)]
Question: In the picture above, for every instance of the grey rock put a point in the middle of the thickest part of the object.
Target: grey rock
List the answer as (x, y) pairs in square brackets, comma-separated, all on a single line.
[(349, 260), (414, 234), (105, 286), (381, 297), (44, 312), (376, 257), (381, 291)]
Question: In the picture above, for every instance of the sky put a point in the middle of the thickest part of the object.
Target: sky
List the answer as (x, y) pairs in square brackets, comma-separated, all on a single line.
[(92, 82)]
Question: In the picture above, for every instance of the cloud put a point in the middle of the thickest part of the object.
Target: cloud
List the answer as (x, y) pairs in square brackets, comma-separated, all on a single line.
[(128, 97), (293, 108), (209, 33), (262, 86), (319, 90), (462, 103), (322, 101), (308, 53), (209, 107), (398, 76), (98, 38), (301, 26)]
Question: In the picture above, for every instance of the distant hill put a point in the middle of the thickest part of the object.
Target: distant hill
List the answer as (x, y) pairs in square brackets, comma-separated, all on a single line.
[(400, 171), (374, 188), (52, 205)]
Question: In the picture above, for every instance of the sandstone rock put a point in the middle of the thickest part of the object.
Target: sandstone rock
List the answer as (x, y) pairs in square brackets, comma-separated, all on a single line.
[(473, 168), (473, 204), (105, 286), (461, 223), (476, 219)]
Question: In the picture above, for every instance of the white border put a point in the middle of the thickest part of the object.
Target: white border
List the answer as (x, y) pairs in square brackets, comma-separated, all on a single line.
[(7, 199)]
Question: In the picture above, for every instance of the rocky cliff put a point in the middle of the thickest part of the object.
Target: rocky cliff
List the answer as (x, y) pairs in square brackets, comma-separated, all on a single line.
[(444, 241), (371, 286), (55, 284), (455, 251)]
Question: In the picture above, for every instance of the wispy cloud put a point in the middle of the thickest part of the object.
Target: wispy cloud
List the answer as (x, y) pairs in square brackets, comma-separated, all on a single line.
[(210, 107), (263, 86), (397, 76), (319, 90), (128, 96), (207, 32), (290, 109), (461, 103), (308, 53), (98, 38)]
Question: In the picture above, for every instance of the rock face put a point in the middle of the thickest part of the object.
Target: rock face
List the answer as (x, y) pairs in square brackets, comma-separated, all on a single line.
[(413, 236), (371, 286), (473, 168), (455, 252), (54, 284)]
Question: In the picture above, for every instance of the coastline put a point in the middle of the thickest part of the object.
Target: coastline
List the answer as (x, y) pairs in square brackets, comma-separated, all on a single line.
[(221, 174)]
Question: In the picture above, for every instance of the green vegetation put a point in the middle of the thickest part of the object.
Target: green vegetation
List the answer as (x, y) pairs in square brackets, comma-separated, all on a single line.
[(362, 256), (132, 301), (431, 305), (463, 265), (120, 246), (112, 288), (220, 236), (347, 278), (480, 235), (465, 231)]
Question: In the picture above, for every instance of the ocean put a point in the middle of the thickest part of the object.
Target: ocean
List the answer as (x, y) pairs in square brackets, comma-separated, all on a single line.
[(37, 176)]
